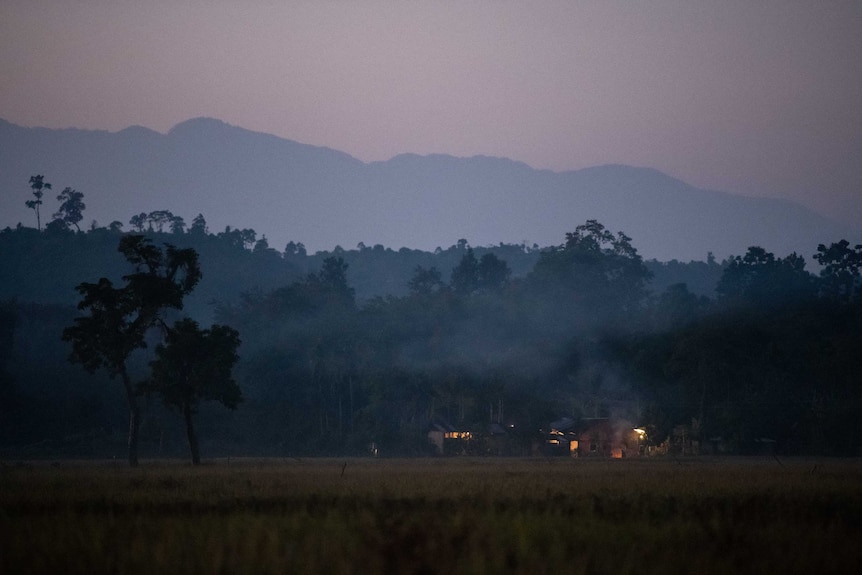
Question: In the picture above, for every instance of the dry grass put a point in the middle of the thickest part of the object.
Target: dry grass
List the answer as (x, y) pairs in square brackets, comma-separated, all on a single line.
[(433, 516)]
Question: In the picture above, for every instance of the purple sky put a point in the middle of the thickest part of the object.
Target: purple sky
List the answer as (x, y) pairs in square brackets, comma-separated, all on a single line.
[(760, 98)]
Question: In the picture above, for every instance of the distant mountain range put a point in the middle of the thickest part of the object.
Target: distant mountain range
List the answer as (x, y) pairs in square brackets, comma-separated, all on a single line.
[(290, 191)]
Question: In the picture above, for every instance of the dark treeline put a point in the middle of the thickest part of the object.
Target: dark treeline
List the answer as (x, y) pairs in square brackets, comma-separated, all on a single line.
[(346, 349), (44, 267)]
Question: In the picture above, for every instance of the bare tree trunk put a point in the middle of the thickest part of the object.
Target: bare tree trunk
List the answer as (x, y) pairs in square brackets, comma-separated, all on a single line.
[(350, 382), (190, 432), (134, 417)]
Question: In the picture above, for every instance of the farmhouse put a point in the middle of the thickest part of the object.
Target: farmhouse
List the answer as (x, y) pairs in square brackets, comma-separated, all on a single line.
[(490, 439), (593, 437), (605, 437), (446, 439), (560, 438)]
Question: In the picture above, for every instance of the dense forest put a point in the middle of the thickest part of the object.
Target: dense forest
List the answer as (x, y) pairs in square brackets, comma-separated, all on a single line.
[(351, 350)]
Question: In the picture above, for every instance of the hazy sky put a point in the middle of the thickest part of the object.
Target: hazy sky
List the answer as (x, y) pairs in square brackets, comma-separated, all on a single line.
[(755, 97)]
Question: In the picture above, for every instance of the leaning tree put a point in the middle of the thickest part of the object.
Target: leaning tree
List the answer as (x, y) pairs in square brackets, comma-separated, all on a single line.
[(72, 207)]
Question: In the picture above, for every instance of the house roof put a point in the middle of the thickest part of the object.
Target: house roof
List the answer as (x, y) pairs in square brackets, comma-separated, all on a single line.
[(562, 424), (442, 426)]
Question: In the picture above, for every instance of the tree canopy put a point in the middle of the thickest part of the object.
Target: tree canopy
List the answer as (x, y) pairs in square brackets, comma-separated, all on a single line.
[(194, 365), (38, 185), (117, 318), (71, 210)]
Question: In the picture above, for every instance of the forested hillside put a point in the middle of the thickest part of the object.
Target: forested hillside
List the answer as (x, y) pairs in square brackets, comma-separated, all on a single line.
[(350, 348), (323, 197)]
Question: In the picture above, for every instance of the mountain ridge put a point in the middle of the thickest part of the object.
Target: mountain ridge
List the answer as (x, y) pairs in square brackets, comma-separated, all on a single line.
[(290, 191)]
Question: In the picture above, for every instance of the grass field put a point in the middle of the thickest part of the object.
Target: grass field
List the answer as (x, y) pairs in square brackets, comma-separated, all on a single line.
[(698, 515)]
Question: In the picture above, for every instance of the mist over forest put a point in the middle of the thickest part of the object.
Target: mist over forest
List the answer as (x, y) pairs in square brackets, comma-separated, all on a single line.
[(361, 350)]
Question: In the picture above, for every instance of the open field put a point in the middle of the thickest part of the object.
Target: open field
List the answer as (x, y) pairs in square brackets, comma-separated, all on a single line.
[(698, 515)]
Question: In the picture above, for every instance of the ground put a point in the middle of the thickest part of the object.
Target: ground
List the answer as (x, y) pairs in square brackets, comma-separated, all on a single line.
[(446, 515)]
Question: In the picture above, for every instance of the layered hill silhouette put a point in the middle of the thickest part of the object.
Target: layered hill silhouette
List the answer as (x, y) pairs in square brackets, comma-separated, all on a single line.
[(290, 191)]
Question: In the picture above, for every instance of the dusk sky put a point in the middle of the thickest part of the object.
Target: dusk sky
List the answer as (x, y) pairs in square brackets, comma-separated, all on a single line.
[(758, 98)]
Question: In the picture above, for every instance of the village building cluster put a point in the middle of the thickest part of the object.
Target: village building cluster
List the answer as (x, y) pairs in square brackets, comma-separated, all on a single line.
[(606, 437)]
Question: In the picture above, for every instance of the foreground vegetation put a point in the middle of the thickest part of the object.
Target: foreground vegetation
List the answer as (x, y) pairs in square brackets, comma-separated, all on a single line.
[(483, 515)]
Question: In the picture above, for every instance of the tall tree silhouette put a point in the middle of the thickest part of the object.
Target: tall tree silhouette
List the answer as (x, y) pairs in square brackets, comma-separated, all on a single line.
[(118, 318), (465, 276), (594, 271), (194, 365), (840, 274), (37, 185), (493, 273), (71, 208), (199, 226), (761, 280), (425, 281)]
